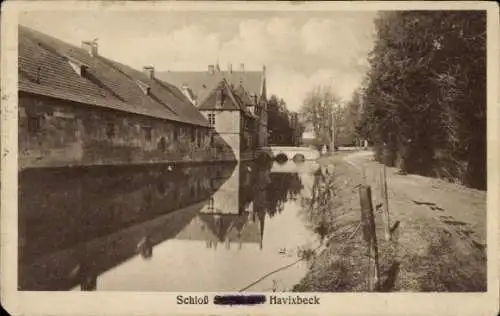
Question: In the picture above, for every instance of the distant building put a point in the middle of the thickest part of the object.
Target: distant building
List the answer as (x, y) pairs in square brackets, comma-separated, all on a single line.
[(242, 121), (77, 107), (308, 138)]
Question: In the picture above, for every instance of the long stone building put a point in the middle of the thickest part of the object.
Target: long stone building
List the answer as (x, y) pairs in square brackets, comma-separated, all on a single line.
[(77, 107)]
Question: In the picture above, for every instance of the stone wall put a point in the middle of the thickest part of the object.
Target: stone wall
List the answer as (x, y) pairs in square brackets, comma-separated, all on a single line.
[(55, 133)]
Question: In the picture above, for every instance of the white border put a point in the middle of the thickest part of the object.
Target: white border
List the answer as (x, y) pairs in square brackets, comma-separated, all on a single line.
[(142, 303)]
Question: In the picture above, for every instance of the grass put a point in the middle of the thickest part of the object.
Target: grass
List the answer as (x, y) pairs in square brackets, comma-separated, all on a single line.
[(424, 255)]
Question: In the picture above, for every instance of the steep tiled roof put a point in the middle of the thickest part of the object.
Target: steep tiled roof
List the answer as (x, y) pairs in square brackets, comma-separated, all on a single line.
[(229, 99), (243, 95), (234, 227), (201, 81), (44, 68)]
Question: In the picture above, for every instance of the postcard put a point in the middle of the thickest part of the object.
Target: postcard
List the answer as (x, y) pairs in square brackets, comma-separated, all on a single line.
[(250, 158)]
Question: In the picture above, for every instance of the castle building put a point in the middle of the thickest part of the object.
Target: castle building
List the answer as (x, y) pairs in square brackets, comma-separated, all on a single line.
[(233, 101)]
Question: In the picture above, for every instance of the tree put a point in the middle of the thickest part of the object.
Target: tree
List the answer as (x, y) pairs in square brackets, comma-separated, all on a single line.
[(321, 109), (425, 93), (282, 127)]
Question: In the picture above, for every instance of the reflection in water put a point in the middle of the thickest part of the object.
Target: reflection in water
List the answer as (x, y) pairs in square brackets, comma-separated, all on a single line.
[(98, 228), (320, 207)]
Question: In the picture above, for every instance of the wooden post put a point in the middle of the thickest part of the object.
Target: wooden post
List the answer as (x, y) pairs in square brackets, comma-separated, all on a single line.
[(385, 198), (370, 236), (363, 175), (333, 132)]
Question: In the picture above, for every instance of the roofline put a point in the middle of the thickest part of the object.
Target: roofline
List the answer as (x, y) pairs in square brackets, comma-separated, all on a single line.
[(33, 35), (21, 90)]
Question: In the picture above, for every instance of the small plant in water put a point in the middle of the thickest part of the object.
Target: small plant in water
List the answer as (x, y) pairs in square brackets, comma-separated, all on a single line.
[(306, 253)]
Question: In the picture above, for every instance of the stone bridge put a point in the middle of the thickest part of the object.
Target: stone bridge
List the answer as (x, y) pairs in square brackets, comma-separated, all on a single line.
[(289, 153)]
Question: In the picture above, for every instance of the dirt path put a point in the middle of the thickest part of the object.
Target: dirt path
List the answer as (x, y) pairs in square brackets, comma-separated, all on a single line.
[(442, 228), (458, 207), (439, 233)]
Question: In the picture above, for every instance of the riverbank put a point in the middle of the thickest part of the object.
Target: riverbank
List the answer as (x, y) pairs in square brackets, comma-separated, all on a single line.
[(438, 239)]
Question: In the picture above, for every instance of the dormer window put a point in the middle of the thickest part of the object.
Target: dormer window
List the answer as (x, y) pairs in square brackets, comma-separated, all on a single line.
[(78, 67), (144, 87)]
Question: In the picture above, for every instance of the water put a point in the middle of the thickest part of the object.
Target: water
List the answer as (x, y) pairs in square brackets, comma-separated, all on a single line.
[(197, 228)]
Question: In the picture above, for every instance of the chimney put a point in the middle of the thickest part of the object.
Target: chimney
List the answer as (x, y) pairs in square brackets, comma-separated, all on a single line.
[(264, 69), (149, 71), (90, 47), (230, 68), (242, 67), (211, 69)]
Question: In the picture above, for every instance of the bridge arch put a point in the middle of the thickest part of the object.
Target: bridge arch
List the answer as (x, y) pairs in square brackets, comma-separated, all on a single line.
[(282, 157), (296, 154), (298, 157)]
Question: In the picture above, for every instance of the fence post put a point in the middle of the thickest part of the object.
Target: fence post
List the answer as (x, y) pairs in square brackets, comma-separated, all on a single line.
[(385, 198), (370, 236), (363, 175)]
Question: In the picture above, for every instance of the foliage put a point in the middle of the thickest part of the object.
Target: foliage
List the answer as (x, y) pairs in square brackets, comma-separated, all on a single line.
[(425, 94), (321, 110), (283, 129), (320, 209)]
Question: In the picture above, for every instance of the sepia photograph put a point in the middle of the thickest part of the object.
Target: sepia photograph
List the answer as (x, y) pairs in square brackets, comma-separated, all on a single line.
[(286, 152)]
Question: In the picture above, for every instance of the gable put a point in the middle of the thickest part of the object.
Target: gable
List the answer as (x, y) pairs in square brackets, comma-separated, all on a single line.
[(202, 82), (223, 92)]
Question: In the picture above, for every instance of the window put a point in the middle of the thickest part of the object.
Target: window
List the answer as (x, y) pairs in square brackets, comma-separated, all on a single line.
[(211, 204), (34, 124), (193, 134), (147, 133), (78, 67), (144, 87), (162, 144), (110, 130), (161, 187), (211, 119), (176, 134), (199, 137), (192, 191), (83, 71)]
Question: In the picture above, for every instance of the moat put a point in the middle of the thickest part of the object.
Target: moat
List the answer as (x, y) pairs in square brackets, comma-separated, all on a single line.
[(217, 227)]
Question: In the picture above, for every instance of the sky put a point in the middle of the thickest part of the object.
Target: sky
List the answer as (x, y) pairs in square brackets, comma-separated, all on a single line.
[(299, 49)]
